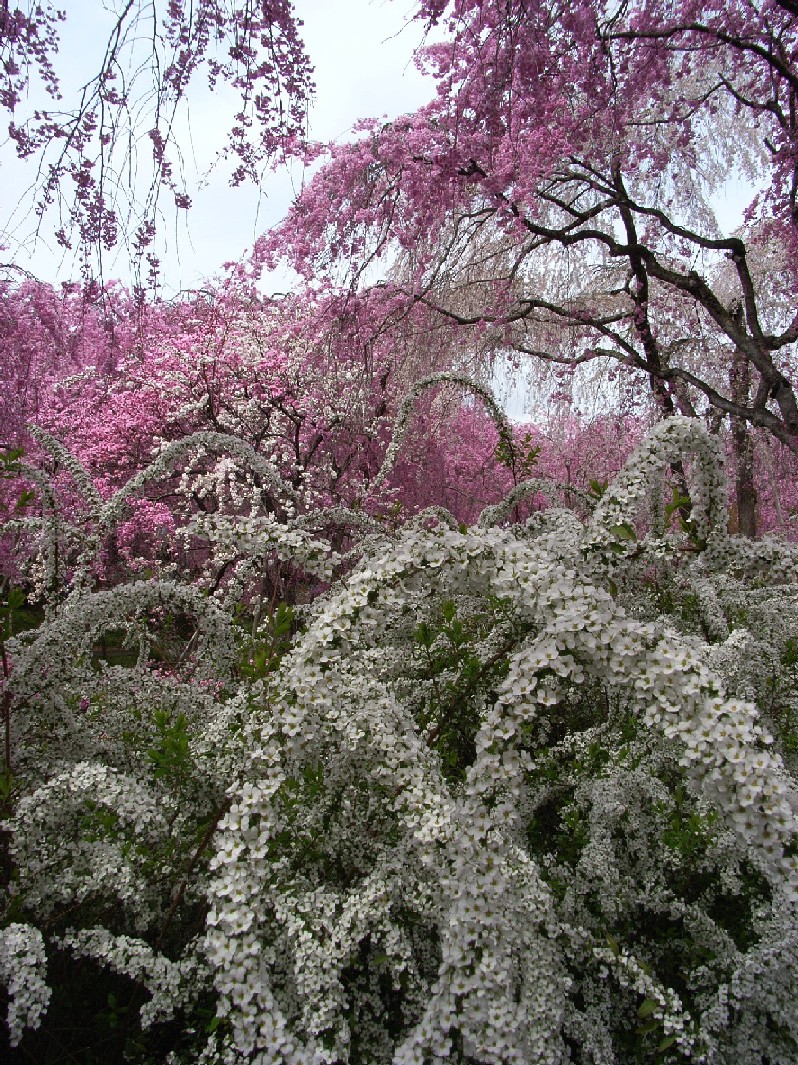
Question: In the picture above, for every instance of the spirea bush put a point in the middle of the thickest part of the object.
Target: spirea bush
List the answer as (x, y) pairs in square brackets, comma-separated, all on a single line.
[(502, 793)]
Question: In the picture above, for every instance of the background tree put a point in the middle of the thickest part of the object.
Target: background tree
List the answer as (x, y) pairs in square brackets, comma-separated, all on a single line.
[(562, 189), (88, 151)]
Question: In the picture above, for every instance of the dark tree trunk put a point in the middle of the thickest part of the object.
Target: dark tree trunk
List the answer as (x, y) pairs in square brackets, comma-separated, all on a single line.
[(743, 449)]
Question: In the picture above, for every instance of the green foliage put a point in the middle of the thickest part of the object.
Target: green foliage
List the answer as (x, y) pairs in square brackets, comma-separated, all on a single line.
[(624, 531), (518, 454), (12, 611), (11, 469), (9, 461), (679, 503), (687, 831), (262, 655), (789, 656), (782, 693), (680, 507), (170, 755), (456, 677)]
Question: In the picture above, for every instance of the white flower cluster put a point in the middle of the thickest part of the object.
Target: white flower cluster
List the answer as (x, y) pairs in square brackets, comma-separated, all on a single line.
[(233, 538), (480, 811), (234, 472), (662, 1004), (71, 842), (172, 985), (403, 418), (77, 711), (669, 442), (326, 697), (23, 972), (67, 461)]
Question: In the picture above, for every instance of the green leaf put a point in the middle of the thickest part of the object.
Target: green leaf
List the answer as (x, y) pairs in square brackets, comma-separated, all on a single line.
[(423, 635), (613, 944), (170, 755), (9, 455), (24, 499), (647, 1008), (16, 598), (790, 654), (666, 1043), (623, 531), (649, 1026), (678, 502), (283, 620)]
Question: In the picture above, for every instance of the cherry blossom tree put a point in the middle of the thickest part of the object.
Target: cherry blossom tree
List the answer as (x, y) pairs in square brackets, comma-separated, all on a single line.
[(90, 150), (49, 333), (561, 190), (309, 382)]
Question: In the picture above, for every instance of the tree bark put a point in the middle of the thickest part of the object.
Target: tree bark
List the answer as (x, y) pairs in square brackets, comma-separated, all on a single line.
[(743, 449)]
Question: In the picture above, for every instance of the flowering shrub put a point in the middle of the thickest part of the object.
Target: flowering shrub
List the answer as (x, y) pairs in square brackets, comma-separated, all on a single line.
[(502, 793)]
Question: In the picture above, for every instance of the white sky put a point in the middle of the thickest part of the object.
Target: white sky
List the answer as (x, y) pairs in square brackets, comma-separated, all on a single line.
[(362, 53)]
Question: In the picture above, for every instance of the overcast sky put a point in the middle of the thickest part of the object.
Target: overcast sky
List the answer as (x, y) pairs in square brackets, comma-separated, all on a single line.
[(362, 53)]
